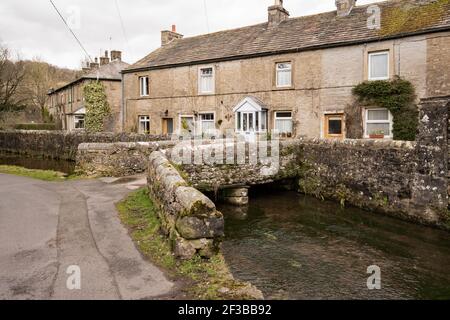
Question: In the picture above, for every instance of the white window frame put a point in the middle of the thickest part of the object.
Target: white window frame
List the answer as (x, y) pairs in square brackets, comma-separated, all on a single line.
[(142, 120), (275, 118), (256, 115), (144, 85), (76, 119), (367, 121), (378, 53), (213, 79), (277, 73), (201, 121)]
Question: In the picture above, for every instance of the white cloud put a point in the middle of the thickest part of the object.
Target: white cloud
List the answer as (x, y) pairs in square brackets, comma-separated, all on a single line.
[(33, 28)]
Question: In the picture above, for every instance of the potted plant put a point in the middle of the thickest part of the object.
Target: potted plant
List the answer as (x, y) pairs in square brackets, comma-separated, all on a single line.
[(377, 135)]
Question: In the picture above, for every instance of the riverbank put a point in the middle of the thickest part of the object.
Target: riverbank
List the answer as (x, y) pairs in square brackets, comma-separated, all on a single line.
[(201, 279)]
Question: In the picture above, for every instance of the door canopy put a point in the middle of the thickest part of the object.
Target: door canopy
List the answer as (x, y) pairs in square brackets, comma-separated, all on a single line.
[(250, 104)]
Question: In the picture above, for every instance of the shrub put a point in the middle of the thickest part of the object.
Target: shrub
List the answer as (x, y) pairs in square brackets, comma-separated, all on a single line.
[(398, 97), (97, 107)]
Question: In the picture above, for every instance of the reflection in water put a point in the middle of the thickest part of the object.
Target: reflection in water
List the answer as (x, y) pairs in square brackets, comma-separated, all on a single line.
[(11, 159), (296, 247)]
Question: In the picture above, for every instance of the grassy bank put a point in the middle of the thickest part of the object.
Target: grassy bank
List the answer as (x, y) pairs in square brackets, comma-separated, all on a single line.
[(206, 279), (44, 175)]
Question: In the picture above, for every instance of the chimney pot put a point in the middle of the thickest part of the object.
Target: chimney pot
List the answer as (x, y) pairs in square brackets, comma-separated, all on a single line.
[(174, 28)]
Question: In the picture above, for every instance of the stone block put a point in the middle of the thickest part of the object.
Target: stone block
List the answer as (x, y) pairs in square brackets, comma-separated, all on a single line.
[(193, 228)]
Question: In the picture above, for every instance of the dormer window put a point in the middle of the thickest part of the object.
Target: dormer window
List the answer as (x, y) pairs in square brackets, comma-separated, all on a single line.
[(284, 74), (379, 65), (206, 80)]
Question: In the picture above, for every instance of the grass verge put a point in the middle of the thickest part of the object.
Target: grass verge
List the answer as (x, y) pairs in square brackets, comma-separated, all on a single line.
[(45, 175), (207, 279)]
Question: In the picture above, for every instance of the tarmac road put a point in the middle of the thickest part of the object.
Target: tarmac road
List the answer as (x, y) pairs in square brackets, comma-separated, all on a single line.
[(47, 227)]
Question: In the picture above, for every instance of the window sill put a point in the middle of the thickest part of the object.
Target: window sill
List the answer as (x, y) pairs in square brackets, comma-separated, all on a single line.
[(283, 88), (206, 93)]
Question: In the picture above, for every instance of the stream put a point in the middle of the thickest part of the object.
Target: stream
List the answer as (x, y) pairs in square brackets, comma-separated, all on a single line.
[(293, 246)]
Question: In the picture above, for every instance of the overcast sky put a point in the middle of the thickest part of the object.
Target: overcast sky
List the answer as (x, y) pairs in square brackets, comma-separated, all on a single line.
[(33, 29)]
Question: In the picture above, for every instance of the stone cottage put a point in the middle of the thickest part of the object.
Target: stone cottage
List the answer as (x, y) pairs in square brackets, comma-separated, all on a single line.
[(67, 102), (294, 75)]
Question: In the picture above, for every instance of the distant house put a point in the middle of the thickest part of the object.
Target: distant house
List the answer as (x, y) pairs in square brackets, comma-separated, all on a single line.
[(67, 102), (294, 75)]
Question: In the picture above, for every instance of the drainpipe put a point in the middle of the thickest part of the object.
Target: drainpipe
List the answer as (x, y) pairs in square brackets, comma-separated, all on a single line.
[(122, 111)]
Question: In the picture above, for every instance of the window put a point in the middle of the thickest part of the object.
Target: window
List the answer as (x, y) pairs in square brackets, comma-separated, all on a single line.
[(207, 122), (206, 80), (284, 74), (379, 65), (378, 122), (79, 121), (283, 123), (143, 82), (334, 126), (187, 124), (144, 124)]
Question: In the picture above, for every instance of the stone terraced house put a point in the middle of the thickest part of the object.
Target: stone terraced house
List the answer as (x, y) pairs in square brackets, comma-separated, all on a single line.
[(67, 102), (294, 75)]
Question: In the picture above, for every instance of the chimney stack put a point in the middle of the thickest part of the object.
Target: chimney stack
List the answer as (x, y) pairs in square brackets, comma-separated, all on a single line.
[(116, 55), (345, 7), (94, 65), (104, 60), (169, 36), (277, 13)]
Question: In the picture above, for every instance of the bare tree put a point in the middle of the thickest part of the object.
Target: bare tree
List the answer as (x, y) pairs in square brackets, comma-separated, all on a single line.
[(12, 75), (39, 79)]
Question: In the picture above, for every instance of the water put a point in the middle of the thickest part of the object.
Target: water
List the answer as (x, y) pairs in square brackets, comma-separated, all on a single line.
[(11, 159), (296, 247)]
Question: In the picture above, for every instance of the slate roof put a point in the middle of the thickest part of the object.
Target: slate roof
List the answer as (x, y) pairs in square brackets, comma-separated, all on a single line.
[(399, 18), (110, 71)]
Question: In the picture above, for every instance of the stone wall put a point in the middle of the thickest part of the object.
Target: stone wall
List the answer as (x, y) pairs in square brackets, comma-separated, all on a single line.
[(61, 144), (189, 219), (118, 159), (390, 177)]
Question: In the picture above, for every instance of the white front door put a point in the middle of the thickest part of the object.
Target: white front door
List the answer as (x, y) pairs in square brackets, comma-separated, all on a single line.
[(248, 122)]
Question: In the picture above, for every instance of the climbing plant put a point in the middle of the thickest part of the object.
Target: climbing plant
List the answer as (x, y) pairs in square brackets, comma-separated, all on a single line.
[(398, 96), (97, 107)]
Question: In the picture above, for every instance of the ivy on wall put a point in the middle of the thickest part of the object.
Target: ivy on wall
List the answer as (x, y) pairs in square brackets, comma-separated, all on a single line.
[(398, 96), (97, 107)]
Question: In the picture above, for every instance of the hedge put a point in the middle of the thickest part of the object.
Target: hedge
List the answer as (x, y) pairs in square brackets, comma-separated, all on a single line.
[(36, 126)]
